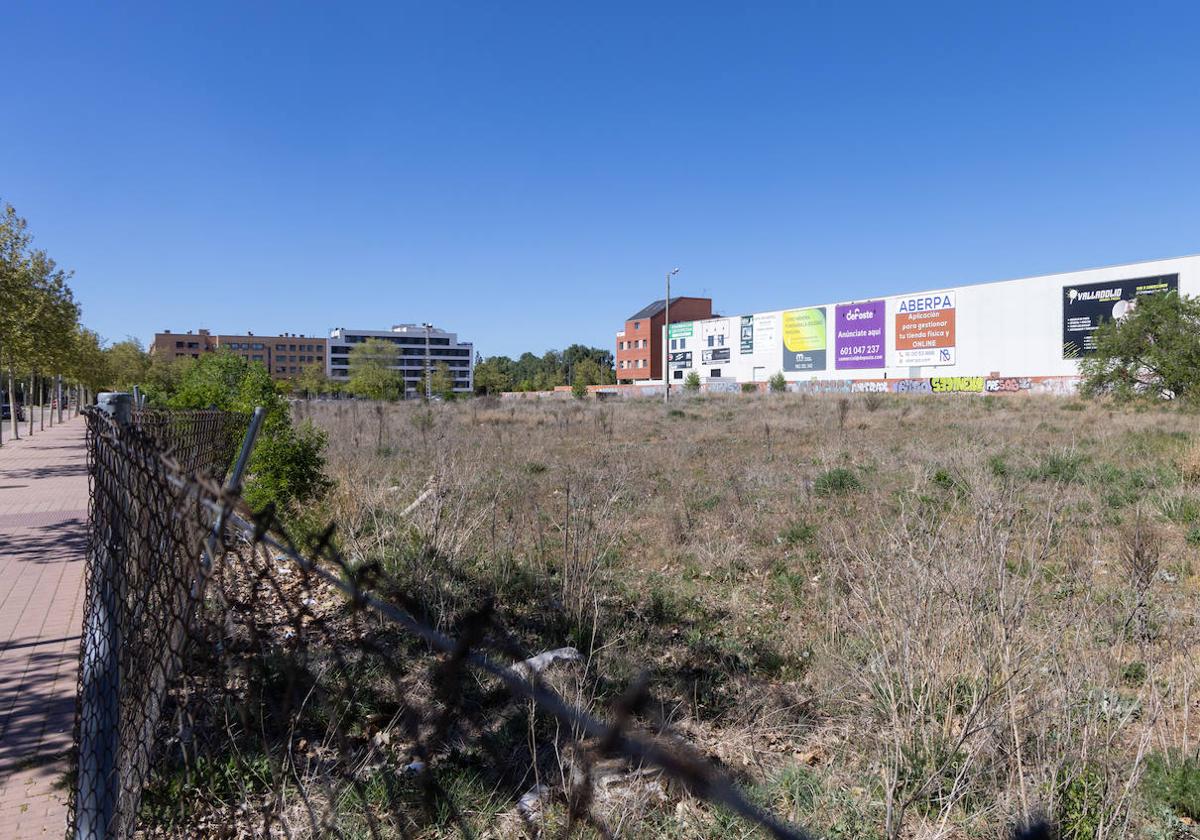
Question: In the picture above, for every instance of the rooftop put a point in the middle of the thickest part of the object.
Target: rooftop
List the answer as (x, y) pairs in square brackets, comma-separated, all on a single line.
[(658, 306)]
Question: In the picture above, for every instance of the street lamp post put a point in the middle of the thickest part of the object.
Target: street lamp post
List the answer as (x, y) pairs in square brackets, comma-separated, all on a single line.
[(428, 372), (667, 340)]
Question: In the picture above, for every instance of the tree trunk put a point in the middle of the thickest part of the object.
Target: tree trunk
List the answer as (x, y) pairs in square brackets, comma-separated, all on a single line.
[(42, 404), (29, 404), (12, 404)]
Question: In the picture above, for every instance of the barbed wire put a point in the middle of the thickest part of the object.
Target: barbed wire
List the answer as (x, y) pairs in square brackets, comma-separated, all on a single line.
[(233, 685)]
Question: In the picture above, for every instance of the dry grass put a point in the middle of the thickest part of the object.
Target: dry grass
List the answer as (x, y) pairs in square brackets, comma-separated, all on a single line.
[(915, 618)]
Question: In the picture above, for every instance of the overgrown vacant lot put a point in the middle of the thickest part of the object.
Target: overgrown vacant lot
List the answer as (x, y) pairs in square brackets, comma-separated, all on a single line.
[(906, 617)]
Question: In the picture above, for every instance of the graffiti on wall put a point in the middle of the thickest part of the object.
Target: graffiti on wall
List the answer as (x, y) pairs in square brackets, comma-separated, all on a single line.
[(911, 386), (956, 384)]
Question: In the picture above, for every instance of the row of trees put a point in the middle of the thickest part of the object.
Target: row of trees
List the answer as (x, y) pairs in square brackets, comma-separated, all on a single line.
[(578, 366), (41, 340)]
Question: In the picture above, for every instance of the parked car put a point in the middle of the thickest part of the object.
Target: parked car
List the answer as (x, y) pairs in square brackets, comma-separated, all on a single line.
[(7, 412)]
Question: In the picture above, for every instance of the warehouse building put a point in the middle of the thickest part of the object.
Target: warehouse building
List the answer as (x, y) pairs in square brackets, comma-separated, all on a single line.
[(1025, 334)]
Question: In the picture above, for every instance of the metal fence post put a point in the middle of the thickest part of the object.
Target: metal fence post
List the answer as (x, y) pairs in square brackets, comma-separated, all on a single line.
[(100, 664)]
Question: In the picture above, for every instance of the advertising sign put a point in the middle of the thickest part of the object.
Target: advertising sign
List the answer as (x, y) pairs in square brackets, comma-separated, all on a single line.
[(681, 359), (858, 338), (804, 339), (1087, 306), (719, 355), (747, 335), (925, 330), (766, 332), (680, 330)]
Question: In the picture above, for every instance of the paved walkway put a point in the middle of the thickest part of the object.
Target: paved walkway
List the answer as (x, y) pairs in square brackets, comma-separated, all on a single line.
[(43, 521)]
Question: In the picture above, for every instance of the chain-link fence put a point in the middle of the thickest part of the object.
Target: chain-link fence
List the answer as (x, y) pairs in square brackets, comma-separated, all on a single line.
[(234, 686)]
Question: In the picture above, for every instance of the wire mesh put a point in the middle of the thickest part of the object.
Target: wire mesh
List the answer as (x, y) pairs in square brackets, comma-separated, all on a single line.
[(233, 686)]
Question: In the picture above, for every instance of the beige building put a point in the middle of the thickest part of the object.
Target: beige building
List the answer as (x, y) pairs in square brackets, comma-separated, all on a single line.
[(283, 355)]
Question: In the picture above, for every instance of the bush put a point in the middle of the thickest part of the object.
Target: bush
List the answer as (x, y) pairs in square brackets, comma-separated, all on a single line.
[(777, 383), (1174, 784), (749, 388), (836, 482), (1152, 352), (692, 382), (287, 464), (579, 390)]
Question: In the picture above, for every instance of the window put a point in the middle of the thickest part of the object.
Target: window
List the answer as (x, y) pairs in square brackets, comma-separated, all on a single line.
[(715, 372), (710, 341), (679, 374), (721, 340), (291, 348), (178, 343), (256, 345), (278, 346), (257, 357), (637, 325)]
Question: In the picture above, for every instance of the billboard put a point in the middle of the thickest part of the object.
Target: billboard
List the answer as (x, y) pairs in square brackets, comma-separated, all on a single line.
[(925, 329), (858, 337), (747, 335), (1087, 306), (804, 339), (708, 357), (682, 359), (682, 329)]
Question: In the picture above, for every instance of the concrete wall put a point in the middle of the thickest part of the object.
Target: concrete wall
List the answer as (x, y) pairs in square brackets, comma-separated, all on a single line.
[(1008, 329)]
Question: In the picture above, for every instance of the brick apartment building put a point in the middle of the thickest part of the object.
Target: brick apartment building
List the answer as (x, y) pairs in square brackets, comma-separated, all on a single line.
[(639, 346), (284, 355)]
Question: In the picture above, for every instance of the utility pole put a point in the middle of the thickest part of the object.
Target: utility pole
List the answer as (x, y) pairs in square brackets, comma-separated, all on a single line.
[(667, 340)]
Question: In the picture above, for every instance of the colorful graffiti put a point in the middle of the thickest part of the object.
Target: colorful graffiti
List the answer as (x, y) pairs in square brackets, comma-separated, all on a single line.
[(911, 386), (956, 384)]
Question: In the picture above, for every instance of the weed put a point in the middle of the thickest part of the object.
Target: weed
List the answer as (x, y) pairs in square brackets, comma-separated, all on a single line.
[(836, 482), (798, 532), (1174, 783)]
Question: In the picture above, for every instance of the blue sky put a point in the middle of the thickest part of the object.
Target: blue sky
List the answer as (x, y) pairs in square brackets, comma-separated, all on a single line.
[(526, 172)]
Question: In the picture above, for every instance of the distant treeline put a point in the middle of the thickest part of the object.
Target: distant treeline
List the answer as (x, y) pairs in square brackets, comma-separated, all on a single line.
[(578, 365)]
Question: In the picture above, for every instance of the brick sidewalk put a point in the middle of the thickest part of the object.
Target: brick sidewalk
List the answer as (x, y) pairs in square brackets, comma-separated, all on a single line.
[(43, 522)]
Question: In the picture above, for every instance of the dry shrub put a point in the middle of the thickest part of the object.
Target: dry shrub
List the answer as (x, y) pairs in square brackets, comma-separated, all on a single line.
[(973, 634), (1189, 464)]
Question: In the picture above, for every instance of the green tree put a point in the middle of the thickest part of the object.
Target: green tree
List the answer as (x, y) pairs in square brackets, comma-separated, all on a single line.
[(128, 364), (372, 373), (777, 383), (692, 382), (288, 462), (1153, 351), (441, 381), (37, 310), (493, 375), (88, 363), (312, 380)]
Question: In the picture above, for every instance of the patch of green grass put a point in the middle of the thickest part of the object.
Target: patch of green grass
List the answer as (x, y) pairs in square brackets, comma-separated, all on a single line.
[(998, 466), (1134, 674), (798, 532), (1182, 510), (1173, 783), (1193, 536), (836, 482), (1060, 467), (535, 468)]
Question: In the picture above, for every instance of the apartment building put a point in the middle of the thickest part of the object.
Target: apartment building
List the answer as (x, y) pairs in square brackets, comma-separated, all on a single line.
[(283, 355), (420, 348), (639, 346)]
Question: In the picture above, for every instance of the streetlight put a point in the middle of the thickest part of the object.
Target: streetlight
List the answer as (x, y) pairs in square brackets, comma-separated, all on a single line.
[(667, 340), (428, 374)]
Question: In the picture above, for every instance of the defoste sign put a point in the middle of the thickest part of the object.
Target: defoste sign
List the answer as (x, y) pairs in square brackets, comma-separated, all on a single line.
[(859, 335), (925, 327)]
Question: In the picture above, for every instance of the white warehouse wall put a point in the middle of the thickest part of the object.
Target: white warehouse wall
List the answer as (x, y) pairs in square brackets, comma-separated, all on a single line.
[(1013, 328)]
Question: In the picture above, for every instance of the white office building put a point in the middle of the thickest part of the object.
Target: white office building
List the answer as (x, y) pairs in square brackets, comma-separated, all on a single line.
[(421, 348)]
